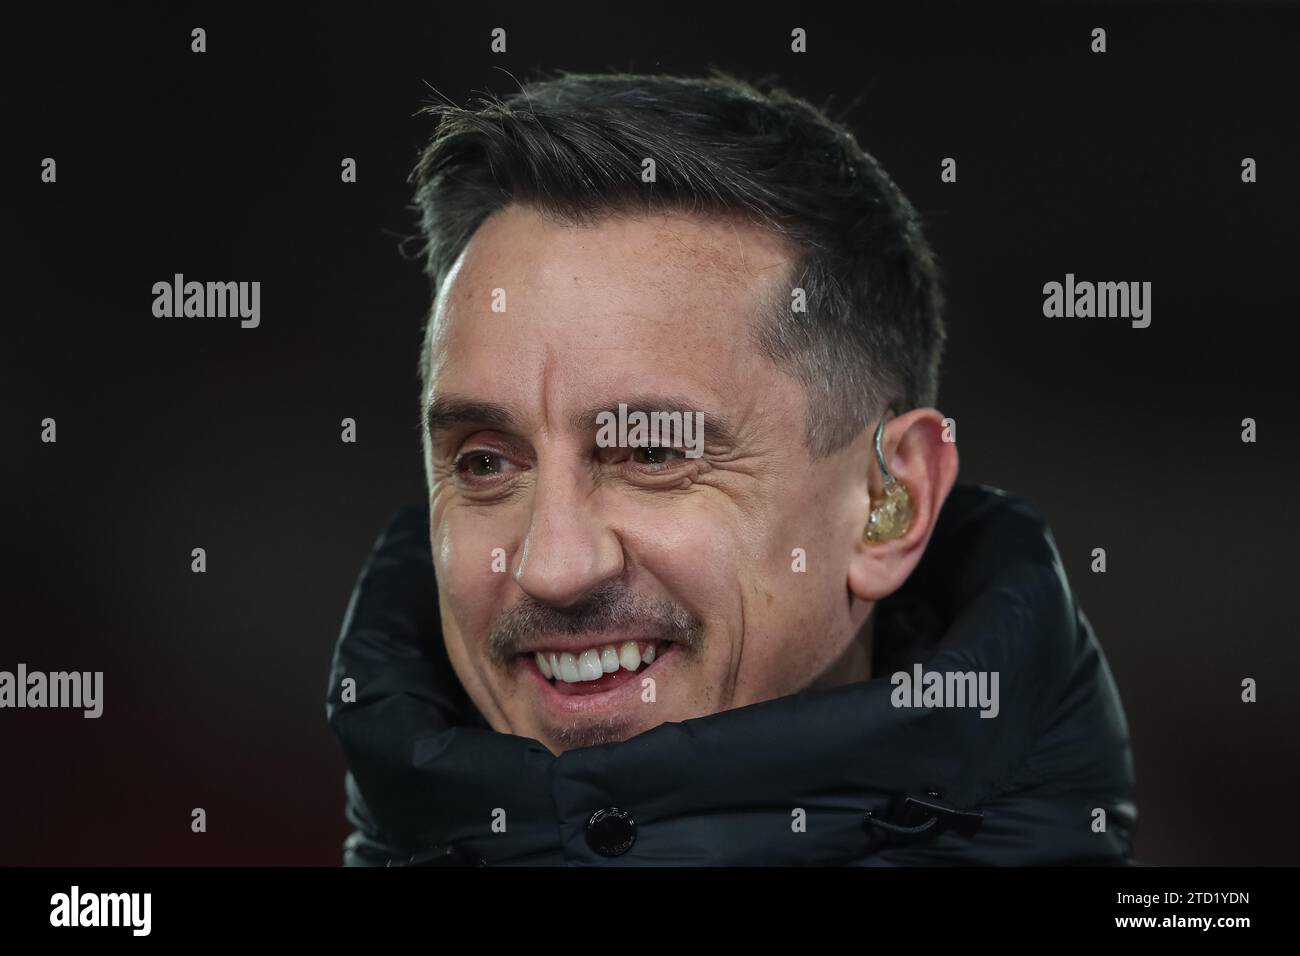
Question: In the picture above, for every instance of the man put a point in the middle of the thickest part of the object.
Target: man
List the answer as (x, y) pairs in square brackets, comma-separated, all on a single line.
[(784, 637)]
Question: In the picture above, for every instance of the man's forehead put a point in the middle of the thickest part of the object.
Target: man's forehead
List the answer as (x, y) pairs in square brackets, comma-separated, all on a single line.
[(672, 296), (544, 326), (645, 258)]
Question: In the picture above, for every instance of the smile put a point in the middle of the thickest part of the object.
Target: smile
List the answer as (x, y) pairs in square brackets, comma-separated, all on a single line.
[(594, 663)]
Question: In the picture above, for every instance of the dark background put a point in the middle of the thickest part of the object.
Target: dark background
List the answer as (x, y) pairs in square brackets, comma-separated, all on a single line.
[(175, 434)]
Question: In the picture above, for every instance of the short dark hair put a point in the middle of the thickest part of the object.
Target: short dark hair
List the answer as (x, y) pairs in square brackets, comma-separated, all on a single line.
[(572, 146)]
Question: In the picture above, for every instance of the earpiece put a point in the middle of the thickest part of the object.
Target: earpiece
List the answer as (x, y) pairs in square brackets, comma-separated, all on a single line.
[(891, 513)]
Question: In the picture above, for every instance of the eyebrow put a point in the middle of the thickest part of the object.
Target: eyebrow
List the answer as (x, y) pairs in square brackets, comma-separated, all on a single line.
[(448, 412)]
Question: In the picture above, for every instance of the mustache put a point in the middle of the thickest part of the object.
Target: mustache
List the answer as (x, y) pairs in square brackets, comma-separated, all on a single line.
[(609, 607)]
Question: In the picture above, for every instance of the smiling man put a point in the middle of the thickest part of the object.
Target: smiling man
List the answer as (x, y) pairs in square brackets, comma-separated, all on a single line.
[(589, 651)]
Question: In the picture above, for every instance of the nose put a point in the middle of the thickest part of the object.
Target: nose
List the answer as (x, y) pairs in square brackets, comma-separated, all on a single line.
[(569, 548)]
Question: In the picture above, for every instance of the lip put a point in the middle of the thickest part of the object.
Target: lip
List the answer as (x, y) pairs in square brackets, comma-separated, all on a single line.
[(573, 701)]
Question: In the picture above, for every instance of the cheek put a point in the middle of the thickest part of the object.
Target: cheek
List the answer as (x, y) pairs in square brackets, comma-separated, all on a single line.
[(472, 557), (795, 593), (693, 557)]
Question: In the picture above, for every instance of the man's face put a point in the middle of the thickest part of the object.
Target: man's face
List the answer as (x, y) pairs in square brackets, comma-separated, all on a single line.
[(731, 565)]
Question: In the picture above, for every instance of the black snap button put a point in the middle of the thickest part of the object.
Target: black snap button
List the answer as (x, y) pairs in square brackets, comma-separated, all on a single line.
[(611, 832)]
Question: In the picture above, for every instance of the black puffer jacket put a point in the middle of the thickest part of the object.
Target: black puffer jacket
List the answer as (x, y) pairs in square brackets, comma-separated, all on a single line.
[(878, 784)]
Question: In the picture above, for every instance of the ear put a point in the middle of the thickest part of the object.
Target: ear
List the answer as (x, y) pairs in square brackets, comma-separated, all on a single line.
[(919, 458)]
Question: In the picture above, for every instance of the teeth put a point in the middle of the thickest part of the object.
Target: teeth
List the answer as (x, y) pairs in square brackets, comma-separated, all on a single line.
[(569, 668), (595, 662), (589, 665)]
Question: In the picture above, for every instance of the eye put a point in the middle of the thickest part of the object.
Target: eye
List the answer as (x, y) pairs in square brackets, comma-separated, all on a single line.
[(482, 464), (655, 457)]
